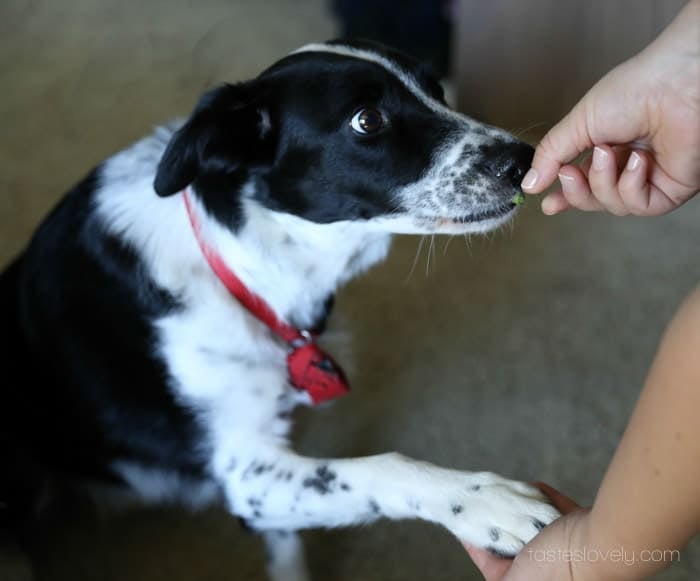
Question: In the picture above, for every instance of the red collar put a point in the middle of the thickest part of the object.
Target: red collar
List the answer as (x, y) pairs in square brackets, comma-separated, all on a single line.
[(310, 368)]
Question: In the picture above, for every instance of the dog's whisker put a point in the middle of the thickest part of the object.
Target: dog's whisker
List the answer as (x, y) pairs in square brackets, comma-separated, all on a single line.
[(447, 244), (522, 130), (427, 258), (434, 248), (431, 250), (415, 259), (468, 244)]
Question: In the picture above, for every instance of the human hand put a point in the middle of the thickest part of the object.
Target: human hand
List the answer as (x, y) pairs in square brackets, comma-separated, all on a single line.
[(562, 534), (642, 120)]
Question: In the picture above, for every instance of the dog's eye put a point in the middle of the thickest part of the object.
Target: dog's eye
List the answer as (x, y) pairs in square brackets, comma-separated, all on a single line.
[(367, 121)]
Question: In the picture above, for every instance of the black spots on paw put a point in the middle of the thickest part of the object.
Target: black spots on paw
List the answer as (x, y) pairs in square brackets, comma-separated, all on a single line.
[(256, 469), (322, 481), (457, 509), (494, 534), (476, 488), (373, 506), (254, 501), (256, 505), (263, 468), (285, 475), (539, 525), (344, 486)]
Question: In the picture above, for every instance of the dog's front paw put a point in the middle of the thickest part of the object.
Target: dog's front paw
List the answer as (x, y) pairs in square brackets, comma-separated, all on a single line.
[(495, 513)]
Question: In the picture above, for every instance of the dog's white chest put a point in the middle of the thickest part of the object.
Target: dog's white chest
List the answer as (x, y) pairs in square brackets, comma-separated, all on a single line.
[(230, 369)]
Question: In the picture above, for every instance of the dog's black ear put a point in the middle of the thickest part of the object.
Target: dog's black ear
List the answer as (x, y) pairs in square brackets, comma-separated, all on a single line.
[(230, 126)]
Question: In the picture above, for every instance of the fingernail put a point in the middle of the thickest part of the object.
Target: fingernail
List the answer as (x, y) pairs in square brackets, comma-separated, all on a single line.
[(530, 179), (565, 178), (547, 207), (600, 158), (634, 161)]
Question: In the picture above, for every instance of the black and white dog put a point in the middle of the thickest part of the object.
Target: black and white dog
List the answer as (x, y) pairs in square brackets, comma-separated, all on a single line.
[(161, 341)]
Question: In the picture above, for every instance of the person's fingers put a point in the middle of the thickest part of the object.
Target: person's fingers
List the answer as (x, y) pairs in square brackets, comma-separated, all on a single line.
[(554, 203), (602, 179), (562, 503), (493, 568), (639, 187), (634, 189), (561, 145), (666, 192), (576, 190)]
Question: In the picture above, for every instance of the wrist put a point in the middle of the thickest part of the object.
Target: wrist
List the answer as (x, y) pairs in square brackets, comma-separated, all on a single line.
[(681, 35), (592, 554), (604, 552)]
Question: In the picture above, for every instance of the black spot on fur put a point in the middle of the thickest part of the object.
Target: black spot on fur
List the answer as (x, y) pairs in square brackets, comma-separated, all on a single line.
[(248, 472), (256, 469), (476, 488), (539, 525), (344, 486), (261, 469), (321, 481), (373, 506), (494, 535), (456, 509)]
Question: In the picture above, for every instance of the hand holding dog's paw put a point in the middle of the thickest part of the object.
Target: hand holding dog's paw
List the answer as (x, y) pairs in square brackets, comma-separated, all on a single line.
[(564, 535), (495, 513)]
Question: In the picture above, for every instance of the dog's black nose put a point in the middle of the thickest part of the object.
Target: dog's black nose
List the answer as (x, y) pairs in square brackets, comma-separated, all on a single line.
[(508, 162)]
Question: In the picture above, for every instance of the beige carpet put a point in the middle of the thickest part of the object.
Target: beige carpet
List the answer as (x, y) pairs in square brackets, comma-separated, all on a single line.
[(521, 354)]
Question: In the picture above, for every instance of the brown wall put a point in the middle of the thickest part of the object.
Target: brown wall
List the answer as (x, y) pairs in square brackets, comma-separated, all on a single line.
[(524, 62)]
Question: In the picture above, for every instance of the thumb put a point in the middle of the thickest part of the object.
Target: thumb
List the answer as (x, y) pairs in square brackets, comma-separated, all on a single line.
[(562, 144), (493, 568)]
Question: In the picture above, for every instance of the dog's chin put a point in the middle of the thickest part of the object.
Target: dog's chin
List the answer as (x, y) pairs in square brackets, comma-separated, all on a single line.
[(474, 223)]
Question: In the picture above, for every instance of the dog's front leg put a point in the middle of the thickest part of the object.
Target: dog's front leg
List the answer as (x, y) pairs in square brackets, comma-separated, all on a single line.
[(278, 489)]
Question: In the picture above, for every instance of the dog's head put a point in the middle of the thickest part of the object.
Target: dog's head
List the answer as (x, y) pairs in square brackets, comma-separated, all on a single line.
[(345, 132)]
